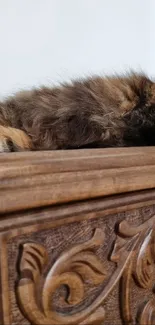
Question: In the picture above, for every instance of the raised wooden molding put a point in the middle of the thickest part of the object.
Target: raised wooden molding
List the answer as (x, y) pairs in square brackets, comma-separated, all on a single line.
[(46, 178)]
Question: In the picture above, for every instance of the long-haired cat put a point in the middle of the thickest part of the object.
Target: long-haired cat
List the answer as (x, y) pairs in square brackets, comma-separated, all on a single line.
[(94, 112)]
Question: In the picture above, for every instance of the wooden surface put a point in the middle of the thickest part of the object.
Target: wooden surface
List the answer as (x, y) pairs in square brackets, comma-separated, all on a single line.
[(89, 258), (31, 180)]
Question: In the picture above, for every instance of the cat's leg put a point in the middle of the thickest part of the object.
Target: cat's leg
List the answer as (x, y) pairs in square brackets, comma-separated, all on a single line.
[(12, 139)]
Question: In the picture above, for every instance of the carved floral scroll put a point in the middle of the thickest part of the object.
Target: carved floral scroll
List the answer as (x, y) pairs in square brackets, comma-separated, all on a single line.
[(140, 266), (133, 254)]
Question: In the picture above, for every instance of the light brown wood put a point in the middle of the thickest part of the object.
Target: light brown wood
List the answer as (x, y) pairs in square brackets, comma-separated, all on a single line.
[(73, 267), (30, 180), (84, 255), (77, 264)]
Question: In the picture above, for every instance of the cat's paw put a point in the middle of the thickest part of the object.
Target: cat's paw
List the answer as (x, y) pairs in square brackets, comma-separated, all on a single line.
[(4, 145), (12, 140), (7, 145)]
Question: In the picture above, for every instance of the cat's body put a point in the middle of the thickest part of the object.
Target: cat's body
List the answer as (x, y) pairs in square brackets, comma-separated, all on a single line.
[(96, 112)]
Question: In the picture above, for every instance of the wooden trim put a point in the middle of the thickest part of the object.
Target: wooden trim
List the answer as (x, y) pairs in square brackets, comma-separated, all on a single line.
[(4, 288), (40, 219), (37, 179)]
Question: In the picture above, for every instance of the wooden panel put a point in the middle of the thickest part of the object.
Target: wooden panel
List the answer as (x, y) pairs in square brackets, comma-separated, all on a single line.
[(29, 180), (101, 250), (77, 235)]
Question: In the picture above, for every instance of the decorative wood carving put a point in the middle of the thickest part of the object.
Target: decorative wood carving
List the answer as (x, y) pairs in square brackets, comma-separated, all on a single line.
[(73, 266), (50, 203), (140, 265), (148, 314), (134, 255)]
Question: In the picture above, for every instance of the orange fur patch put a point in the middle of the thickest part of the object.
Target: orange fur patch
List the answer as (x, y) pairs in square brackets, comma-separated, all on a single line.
[(18, 137)]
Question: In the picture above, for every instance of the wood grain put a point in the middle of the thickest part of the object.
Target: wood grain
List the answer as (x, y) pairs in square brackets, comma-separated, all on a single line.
[(35, 179), (91, 258), (82, 220), (54, 216), (73, 267)]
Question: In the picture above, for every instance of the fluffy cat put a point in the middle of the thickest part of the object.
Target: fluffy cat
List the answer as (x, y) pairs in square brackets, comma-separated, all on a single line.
[(94, 112)]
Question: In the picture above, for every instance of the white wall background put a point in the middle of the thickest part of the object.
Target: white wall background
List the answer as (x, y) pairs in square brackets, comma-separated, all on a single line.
[(45, 41)]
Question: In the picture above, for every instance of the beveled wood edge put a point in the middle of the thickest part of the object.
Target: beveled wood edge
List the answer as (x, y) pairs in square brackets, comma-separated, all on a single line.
[(37, 179), (19, 223)]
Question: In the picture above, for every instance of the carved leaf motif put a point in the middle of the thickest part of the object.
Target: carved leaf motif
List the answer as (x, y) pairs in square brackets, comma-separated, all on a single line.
[(75, 285), (122, 248), (96, 318), (34, 257), (133, 253), (72, 268), (89, 267), (140, 264), (147, 316), (144, 263)]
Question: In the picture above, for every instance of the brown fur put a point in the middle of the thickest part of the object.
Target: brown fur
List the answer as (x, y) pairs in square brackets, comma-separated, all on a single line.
[(96, 112)]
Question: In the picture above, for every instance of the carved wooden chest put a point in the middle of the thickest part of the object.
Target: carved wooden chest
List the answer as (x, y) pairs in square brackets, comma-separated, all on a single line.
[(77, 237)]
